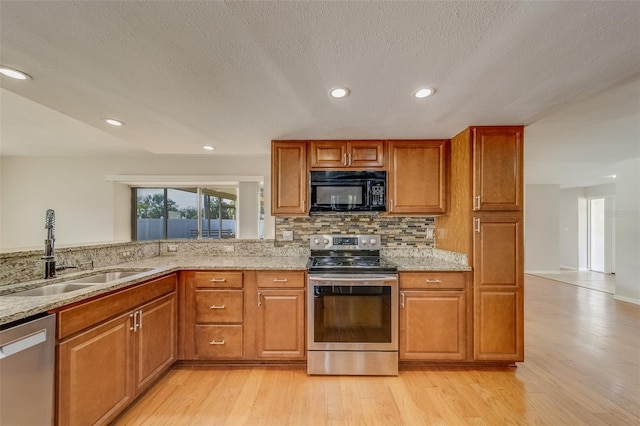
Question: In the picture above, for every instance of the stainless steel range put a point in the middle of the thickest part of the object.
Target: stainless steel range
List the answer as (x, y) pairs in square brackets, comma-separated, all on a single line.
[(352, 326)]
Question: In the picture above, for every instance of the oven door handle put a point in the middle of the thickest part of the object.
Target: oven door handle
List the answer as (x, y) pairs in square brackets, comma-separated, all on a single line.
[(375, 278)]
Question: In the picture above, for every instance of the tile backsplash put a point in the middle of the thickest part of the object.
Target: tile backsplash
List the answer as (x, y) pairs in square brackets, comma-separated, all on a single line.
[(416, 232)]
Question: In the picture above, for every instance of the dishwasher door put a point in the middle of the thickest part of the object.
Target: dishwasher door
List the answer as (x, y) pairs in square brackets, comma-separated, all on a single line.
[(27, 363)]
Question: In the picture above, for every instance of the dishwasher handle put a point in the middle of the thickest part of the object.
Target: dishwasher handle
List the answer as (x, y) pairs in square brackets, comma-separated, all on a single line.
[(23, 343)]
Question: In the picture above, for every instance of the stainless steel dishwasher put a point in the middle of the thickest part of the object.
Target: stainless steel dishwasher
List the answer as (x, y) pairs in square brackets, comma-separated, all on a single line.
[(27, 365)]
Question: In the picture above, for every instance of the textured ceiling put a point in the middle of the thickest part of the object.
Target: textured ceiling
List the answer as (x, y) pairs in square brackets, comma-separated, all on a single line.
[(238, 74)]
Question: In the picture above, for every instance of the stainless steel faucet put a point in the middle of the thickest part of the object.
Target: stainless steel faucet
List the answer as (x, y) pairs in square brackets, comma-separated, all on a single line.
[(49, 245)]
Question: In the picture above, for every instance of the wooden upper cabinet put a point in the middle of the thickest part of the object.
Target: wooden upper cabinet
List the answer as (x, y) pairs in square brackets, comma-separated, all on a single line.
[(497, 164), (417, 177), (360, 154), (289, 178)]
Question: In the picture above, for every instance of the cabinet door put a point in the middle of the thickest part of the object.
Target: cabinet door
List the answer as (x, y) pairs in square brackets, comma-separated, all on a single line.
[(498, 158), (417, 182), (498, 289), (289, 178), (280, 324), (347, 154), (156, 340), (328, 154), (432, 325), (94, 374), (365, 154)]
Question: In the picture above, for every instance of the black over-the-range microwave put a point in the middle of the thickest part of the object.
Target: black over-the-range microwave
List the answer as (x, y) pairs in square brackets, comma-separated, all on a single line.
[(348, 191)]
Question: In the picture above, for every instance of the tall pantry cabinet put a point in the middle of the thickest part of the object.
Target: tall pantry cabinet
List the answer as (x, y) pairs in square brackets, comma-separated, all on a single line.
[(485, 222)]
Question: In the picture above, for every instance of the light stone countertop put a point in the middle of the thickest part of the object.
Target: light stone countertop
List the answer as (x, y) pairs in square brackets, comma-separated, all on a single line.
[(427, 264), (13, 308)]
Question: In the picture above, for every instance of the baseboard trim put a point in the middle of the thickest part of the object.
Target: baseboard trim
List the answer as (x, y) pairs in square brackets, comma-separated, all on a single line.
[(570, 268), (541, 272), (627, 299)]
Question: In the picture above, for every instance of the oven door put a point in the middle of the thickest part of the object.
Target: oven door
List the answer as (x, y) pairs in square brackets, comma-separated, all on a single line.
[(353, 312)]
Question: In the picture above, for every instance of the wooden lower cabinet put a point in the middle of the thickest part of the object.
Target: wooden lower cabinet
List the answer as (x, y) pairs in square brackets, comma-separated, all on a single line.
[(94, 375), (155, 340), (280, 324), (432, 325), (498, 288), (212, 315), (433, 316), (110, 361)]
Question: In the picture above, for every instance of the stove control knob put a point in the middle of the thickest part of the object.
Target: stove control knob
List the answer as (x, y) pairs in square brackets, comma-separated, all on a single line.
[(325, 241), (373, 241), (316, 241), (364, 242)]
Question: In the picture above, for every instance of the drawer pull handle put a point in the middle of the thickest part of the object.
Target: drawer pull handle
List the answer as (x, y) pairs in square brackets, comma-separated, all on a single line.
[(433, 281), (214, 342), (218, 280), (216, 307), (280, 280)]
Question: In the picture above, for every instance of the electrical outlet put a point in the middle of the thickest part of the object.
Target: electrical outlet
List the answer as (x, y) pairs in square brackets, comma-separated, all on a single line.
[(287, 235), (172, 248), (229, 248), (125, 253)]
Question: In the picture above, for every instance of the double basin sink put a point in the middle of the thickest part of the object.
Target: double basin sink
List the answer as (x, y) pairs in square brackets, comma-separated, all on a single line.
[(78, 283)]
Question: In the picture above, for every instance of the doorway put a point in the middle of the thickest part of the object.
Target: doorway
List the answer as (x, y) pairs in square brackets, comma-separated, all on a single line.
[(600, 234)]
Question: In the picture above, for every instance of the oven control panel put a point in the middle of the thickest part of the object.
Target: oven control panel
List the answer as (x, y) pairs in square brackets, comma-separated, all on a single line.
[(345, 242)]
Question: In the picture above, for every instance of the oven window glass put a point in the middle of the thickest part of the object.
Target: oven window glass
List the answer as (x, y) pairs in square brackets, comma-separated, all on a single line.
[(339, 195), (352, 314)]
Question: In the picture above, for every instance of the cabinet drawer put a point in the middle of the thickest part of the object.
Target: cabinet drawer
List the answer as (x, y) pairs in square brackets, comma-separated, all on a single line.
[(218, 306), (433, 280), (280, 279), (218, 341), (218, 279)]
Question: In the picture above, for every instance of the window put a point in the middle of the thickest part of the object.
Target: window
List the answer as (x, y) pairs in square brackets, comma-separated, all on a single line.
[(161, 213)]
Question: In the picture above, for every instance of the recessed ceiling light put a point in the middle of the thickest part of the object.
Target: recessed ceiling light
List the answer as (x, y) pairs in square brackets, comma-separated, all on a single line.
[(113, 122), (208, 147), (423, 93), (13, 73), (611, 176), (339, 92)]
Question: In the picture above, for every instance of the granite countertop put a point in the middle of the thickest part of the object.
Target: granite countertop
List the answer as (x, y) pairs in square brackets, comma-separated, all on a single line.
[(427, 264), (13, 308)]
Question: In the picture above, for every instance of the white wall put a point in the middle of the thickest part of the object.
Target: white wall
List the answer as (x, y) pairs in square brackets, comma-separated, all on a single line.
[(248, 210), (541, 225), (90, 209), (600, 190), (627, 218), (573, 230)]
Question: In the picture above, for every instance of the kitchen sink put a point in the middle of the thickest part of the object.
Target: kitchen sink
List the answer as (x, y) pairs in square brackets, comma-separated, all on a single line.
[(51, 289), (79, 283), (105, 277)]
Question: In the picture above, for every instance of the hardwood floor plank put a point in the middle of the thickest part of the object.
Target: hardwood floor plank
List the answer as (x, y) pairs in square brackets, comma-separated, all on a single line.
[(582, 367)]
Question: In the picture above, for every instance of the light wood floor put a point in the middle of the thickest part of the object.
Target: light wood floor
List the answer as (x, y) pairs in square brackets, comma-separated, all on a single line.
[(582, 367), (589, 279)]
